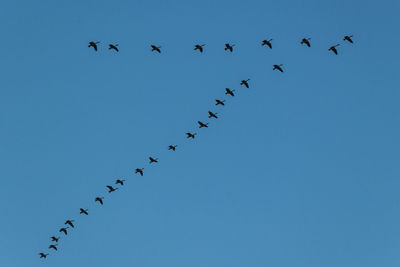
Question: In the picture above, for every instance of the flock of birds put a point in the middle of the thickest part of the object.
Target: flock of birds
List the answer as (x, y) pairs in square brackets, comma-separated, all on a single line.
[(69, 224)]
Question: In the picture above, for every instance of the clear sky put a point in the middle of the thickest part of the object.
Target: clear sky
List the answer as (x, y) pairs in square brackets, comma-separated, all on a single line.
[(301, 169)]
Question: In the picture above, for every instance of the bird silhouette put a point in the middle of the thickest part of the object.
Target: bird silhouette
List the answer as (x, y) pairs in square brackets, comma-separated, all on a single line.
[(99, 199), (245, 83), (229, 92), (42, 255), (190, 135), (202, 125), (229, 47), (139, 171), (53, 246), (111, 189), (119, 181), (267, 43), (155, 48), (199, 47), (55, 239), (84, 211), (111, 46), (94, 45), (173, 148), (69, 222), (153, 160), (219, 102), (212, 115), (306, 41), (278, 67), (348, 38), (64, 230), (333, 49)]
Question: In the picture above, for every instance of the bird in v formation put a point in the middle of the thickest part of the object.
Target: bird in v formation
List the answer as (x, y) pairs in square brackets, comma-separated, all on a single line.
[(190, 135)]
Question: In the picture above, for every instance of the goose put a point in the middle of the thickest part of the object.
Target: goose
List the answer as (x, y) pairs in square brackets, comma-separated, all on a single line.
[(99, 199), (245, 83), (278, 67), (84, 211), (155, 48), (94, 45), (306, 41), (267, 43), (111, 46), (212, 115), (199, 47), (333, 49), (139, 171)]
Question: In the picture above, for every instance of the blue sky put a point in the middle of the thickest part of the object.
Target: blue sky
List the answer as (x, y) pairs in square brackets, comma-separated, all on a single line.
[(301, 169)]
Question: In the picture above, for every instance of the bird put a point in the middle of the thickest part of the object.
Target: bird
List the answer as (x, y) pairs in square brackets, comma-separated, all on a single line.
[(191, 135), (94, 45), (199, 47), (171, 147), (278, 67), (229, 47), (229, 92), (119, 181), (42, 255), (267, 42), (69, 222), (155, 48), (99, 199), (201, 125), (212, 115), (348, 38), (245, 83), (139, 171), (219, 102), (306, 41), (111, 46), (83, 211), (64, 230), (153, 160), (111, 189), (55, 239), (53, 246), (333, 49)]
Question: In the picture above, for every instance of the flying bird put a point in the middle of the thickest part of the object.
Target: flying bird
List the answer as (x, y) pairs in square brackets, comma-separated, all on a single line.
[(229, 47), (267, 42), (245, 83), (219, 102), (69, 222), (278, 67), (190, 135), (99, 199), (111, 189), (94, 45), (155, 48), (64, 230), (348, 38), (306, 41), (55, 239), (333, 49), (42, 255), (53, 246), (153, 160), (199, 47), (201, 125), (118, 181), (111, 46), (229, 92), (83, 211), (212, 115), (173, 148), (139, 171)]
